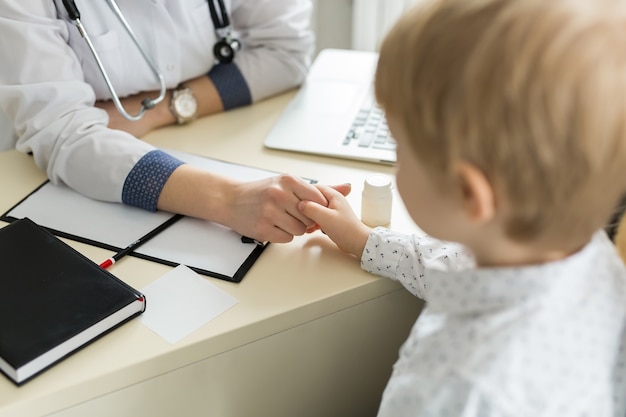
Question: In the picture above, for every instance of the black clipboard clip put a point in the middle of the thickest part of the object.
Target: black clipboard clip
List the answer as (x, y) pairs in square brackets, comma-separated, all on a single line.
[(246, 239)]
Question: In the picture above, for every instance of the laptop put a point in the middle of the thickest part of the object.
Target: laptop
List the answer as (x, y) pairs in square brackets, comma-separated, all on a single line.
[(335, 113)]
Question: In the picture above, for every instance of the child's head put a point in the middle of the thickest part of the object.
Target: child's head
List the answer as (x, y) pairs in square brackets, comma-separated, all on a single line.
[(530, 92)]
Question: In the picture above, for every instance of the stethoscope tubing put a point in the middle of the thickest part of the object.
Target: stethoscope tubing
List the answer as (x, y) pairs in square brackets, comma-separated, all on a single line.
[(224, 51), (222, 21), (146, 103)]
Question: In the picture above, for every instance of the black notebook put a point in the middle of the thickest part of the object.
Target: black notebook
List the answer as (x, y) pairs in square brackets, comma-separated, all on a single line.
[(53, 300)]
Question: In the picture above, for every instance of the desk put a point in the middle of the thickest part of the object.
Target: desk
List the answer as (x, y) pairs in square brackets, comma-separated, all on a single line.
[(312, 335)]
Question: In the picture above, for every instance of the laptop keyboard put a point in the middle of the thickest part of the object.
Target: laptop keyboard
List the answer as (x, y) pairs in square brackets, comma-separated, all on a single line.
[(369, 128)]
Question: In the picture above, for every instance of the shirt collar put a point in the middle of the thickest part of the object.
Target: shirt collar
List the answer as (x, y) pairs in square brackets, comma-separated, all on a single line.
[(486, 289)]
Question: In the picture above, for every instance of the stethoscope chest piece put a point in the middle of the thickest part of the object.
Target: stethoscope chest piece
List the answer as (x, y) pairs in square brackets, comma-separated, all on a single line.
[(224, 50)]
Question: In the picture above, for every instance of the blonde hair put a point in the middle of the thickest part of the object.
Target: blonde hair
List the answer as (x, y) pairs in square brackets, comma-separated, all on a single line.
[(532, 92)]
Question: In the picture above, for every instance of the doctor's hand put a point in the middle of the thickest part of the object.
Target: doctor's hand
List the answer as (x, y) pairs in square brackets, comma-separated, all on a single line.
[(337, 220), (152, 119), (132, 104), (265, 210)]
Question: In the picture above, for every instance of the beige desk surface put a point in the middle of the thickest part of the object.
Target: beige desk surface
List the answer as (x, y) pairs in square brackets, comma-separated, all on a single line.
[(290, 285)]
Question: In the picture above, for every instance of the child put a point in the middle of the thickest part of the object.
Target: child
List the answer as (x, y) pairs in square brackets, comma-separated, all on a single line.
[(510, 122)]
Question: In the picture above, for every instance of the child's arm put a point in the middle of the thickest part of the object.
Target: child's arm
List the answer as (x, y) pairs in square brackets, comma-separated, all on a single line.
[(410, 259), (404, 258)]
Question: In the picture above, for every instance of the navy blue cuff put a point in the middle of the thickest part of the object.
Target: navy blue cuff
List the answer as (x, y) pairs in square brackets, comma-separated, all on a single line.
[(145, 181), (231, 86)]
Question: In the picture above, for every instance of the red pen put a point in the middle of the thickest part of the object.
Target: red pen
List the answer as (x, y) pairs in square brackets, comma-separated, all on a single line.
[(107, 263)]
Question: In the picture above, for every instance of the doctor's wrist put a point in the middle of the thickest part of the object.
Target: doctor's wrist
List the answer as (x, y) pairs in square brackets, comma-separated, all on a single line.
[(162, 114), (207, 99)]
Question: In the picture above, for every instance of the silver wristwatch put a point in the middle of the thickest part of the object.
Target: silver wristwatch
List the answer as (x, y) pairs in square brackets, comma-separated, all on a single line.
[(183, 105)]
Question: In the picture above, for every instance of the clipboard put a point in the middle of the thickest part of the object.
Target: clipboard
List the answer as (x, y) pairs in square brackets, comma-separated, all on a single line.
[(206, 247)]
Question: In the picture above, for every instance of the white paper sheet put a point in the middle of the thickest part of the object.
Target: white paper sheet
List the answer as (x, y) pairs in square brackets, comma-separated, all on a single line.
[(180, 302), (62, 209)]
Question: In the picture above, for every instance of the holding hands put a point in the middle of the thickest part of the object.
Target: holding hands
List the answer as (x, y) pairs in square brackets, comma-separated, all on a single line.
[(269, 209), (265, 210)]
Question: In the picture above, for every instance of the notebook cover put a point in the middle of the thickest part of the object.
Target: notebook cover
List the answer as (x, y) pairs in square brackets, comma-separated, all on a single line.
[(49, 292)]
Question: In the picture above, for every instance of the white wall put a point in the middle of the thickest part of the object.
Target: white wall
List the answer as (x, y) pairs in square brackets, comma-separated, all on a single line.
[(332, 22), (355, 24)]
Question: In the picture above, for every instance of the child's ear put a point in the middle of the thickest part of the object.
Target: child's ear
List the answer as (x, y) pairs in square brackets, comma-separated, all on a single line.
[(477, 193)]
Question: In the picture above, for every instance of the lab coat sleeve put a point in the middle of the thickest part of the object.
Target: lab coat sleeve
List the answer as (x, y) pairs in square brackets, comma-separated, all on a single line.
[(43, 93), (277, 45), (409, 258)]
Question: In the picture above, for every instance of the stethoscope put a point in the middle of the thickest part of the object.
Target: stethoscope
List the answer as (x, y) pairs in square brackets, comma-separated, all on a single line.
[(224, 50)]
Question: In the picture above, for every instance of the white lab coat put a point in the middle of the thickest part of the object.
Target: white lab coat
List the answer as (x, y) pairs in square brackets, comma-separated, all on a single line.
[(49, 82)]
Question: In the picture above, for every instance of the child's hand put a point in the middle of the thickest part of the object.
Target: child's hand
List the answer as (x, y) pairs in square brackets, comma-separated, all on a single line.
[(338, 221), (344, 189)]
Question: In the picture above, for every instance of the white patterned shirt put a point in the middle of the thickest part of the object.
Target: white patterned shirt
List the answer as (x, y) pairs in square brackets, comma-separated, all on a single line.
[(542, 340)]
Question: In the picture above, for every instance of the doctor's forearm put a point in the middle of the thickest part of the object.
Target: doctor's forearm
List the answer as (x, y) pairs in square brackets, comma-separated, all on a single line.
[(206, 94), (265, 209), (197, 193)]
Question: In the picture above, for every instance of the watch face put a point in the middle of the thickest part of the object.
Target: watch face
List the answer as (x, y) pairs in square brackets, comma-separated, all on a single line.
[(186, 105)]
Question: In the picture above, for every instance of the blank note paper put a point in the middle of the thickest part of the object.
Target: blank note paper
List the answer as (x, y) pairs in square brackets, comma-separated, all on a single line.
[(182, 301)]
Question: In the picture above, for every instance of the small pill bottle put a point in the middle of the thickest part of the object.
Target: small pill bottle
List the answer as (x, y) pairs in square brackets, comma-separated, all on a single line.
[(376, 200)]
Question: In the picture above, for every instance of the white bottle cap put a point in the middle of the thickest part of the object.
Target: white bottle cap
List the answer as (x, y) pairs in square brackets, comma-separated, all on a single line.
[(376, 200), (377, 184)]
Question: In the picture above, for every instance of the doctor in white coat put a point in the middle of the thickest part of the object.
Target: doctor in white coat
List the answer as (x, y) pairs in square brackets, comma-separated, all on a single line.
[(60, 108)]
